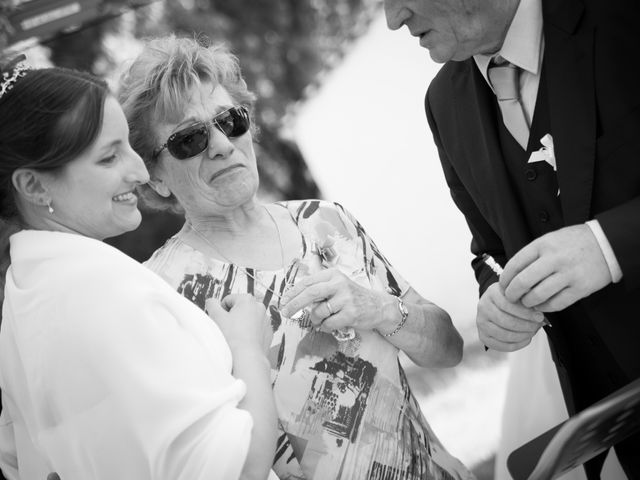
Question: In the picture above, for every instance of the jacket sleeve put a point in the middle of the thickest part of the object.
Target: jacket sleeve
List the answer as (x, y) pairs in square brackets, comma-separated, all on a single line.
[(484, 238), (621, 225), (138, 384)]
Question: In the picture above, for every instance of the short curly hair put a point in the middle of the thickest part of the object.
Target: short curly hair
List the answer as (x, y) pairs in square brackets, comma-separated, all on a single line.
[(155, 88)]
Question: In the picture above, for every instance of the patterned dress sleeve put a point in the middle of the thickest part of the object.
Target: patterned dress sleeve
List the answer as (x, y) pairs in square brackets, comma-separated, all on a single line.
[(382, 275)]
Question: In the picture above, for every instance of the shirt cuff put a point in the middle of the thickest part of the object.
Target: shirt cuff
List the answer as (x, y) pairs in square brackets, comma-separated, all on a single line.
[(607, 251)]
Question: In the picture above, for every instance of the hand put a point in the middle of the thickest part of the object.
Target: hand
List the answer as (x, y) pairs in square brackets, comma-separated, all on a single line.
[(242, 320), (556, 270), (504, 325), (351, 304)]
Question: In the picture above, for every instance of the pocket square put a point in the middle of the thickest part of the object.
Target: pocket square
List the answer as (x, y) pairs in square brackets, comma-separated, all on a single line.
[(546, 153)]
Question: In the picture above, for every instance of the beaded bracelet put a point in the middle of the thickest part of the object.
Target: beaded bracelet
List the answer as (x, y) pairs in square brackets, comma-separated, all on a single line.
[(404, 312)]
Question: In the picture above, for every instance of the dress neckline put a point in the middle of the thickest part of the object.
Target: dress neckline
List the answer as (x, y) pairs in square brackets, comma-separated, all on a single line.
[(302, 250)]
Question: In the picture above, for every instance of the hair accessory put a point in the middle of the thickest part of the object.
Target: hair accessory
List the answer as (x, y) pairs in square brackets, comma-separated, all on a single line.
[(15, 69)]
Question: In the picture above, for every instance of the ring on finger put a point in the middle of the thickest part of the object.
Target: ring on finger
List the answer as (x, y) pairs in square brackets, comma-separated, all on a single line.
[(331, 312)]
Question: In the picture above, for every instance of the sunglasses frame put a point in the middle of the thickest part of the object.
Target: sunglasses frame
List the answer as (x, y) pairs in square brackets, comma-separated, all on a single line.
[(240, 110)]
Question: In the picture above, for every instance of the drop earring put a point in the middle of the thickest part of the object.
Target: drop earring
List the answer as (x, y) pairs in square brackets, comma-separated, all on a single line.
[(49, 207)]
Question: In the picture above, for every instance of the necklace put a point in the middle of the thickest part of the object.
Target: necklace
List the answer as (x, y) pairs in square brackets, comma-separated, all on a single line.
[(246, 270)]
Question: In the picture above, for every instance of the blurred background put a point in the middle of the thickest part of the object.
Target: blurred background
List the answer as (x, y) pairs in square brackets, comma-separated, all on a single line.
[(340, 113)]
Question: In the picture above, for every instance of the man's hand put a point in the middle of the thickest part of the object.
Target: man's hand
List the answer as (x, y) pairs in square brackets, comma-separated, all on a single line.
[(556, 270), (503, 325)]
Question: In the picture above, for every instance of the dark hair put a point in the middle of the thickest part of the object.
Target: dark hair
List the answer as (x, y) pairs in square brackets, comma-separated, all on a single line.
[(48, 118)]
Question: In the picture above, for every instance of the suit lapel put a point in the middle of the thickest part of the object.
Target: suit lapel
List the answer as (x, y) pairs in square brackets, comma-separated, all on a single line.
[(569, 76), (478, 142)]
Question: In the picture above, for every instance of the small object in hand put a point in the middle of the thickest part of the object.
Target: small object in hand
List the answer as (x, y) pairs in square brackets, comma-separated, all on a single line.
[(302, 317), (326, 252), (324, 246), (497, 269), (492, 264)]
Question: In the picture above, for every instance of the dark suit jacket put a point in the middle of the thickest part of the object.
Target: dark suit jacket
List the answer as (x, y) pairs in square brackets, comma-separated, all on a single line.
[(592, 74)]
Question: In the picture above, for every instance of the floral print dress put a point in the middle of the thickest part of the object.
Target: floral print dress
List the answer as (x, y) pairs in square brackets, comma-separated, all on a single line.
[(345, 408)]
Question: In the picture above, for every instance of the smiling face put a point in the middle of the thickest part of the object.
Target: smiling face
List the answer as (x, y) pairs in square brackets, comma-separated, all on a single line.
[(94, 194), (223, 177), (453, 29)]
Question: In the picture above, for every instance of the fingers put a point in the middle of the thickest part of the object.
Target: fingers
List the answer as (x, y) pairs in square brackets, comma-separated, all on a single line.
[(543, 291), (560, 301), (504, 325), (214, 307), (495, 344), (304, 283), (521, 260), (506, 333), (531, 276), (236, 299), (556, 270), (323, 311), (495, 304), (310, 290)]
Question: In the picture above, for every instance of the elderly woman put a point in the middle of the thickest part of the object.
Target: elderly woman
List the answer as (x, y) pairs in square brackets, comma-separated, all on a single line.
[(340, 313), (106, 372)]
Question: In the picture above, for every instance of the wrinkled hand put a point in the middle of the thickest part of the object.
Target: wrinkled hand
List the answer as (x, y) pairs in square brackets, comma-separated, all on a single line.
[(503, 325), (351, 304), (556, 270), (242, 320)]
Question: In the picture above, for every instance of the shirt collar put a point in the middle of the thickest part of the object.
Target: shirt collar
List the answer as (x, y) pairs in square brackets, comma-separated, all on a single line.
[(523, 43)]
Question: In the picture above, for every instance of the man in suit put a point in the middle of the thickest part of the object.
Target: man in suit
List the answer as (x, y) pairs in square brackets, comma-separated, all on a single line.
[(536, 116)]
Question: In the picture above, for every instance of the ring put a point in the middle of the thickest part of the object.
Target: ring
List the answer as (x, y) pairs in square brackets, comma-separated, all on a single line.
[(331, 312)]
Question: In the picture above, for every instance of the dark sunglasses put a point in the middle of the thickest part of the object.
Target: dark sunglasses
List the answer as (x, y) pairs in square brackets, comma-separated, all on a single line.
[(193, 140)]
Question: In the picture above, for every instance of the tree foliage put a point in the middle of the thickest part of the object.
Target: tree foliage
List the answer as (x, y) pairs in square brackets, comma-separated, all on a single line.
[(283, 46), (6, 8)]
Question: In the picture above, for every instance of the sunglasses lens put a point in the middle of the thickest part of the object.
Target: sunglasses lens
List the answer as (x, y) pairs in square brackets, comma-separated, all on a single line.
[(189, 142), (234, 122), (194, 140)]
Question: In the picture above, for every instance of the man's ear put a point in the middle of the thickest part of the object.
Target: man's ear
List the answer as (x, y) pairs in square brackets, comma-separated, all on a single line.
[(159, 187), (31, 185)]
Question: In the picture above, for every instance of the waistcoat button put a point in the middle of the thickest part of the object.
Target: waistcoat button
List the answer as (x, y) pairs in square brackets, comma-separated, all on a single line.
[(530, 174)]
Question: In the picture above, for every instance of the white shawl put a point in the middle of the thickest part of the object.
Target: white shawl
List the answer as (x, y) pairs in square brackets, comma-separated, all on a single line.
[(107, 373)]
